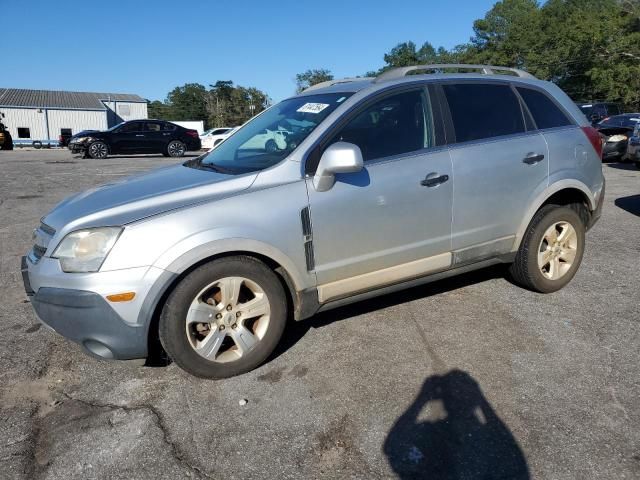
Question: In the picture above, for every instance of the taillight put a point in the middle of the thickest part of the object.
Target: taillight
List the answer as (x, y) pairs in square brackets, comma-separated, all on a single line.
[(61, 138), (595, 139), (192, 133)]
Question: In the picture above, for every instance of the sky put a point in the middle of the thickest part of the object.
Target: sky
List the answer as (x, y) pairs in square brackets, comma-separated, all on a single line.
[(150, 47)]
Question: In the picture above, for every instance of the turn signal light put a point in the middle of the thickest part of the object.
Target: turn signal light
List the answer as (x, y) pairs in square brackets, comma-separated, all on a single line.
[(121, 297)]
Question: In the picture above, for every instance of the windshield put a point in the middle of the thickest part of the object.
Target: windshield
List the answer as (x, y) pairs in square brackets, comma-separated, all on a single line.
[(271, 136), (115, 126)]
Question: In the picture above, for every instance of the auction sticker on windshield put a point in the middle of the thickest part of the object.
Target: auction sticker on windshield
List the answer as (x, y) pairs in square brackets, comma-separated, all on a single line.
[(312, 107)]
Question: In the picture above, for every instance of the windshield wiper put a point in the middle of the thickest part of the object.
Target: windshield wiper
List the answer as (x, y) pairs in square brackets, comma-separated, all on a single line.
[(215, 168)]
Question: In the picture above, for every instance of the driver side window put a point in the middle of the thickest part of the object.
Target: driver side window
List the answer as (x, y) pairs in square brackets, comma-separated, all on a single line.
[(394, 125)]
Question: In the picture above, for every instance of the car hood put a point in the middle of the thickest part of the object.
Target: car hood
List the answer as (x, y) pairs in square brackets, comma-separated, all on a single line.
[(141, 196)]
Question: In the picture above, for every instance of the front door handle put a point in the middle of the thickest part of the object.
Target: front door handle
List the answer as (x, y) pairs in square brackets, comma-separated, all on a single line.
[(139, 135), (533, 158), (432, 180)]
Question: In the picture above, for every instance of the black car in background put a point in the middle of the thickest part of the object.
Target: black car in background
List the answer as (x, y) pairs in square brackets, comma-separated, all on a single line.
[(615, 132), (137, 136), (597, 111)]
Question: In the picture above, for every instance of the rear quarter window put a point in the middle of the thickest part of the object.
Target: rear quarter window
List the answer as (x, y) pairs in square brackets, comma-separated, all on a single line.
[(481, 110), (545, 112)]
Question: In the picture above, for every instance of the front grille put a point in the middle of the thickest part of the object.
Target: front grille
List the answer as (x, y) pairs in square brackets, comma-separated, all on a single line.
[(38, 251), (42, 236)]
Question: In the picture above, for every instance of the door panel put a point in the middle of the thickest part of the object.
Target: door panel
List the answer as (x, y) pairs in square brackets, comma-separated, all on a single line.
[(382, 217), (129, 138), (494, 185)]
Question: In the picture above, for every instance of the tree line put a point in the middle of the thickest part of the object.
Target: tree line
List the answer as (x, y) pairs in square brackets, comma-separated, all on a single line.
[(223, 104), (590, 48)]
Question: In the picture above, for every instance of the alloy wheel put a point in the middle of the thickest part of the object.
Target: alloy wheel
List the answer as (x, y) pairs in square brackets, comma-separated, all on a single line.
[(98, 150), (558, 250), (227, 319), (176, 149)]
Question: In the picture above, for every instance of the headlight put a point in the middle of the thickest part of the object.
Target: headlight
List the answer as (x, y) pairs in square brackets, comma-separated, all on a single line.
[(86, 250), (617, 138)]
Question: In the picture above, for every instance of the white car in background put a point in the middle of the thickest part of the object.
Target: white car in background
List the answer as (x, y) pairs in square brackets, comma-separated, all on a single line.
[(214, 136), (269, 140)]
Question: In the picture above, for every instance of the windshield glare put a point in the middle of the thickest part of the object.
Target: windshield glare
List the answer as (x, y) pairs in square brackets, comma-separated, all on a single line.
[(273, 135)]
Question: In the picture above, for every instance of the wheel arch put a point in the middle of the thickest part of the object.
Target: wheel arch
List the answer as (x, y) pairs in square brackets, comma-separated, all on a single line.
[(188, 262), (565, 192)]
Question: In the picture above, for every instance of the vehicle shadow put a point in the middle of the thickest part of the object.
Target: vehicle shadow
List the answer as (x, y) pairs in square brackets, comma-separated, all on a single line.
[(295, 331), (623, 166), (631, 204), (451, 431)]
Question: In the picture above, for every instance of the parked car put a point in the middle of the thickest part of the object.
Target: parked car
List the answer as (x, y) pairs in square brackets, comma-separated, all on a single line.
[(269, 140), (214, 136), (137, 136), (213, 255), (615, 133), (596, 111), (6, 142), (633, 149)]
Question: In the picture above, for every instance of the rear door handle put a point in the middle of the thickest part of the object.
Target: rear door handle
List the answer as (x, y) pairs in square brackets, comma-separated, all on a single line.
[(139, 135), (433, 181), (532, 158)]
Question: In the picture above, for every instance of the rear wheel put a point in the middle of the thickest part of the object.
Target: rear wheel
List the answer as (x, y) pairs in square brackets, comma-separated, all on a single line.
[(98, 150), (224, 318), (551, 250), (176, 148)]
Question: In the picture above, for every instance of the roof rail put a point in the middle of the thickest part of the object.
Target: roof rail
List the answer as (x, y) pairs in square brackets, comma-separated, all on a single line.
[(329, 83), (485, 70)]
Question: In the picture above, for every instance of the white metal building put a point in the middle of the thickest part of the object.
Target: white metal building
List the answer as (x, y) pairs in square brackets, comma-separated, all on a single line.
[(44, 115)]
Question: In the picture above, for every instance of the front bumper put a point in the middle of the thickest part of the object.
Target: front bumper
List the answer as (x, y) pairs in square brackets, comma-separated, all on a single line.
[(76, 147), (614, 150), (74, 305), (87, 319)]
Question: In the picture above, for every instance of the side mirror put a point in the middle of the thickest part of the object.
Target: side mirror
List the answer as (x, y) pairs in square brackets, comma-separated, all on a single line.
[(341, 157)]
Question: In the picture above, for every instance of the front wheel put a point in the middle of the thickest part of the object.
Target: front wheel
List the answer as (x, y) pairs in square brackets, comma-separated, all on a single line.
[(224, 318), (551, 250), (98, 150), (176, 148)]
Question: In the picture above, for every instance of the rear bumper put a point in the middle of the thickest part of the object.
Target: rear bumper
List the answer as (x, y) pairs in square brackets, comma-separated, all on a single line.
[(597, 213)]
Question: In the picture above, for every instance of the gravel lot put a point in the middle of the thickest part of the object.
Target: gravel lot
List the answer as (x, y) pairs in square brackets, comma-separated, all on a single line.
[(471, 377)]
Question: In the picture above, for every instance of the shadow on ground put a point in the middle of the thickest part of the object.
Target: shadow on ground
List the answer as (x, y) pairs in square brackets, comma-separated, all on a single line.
[(296, 330), (631, 204), (623, 166), (451, 431)]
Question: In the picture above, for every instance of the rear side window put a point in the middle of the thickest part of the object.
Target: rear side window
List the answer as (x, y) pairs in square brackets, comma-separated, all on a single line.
[(545, 113), (397, 124), (483, 110), (168, 127)]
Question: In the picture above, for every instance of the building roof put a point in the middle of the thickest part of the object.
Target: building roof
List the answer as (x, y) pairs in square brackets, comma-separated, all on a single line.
[(17, 97)]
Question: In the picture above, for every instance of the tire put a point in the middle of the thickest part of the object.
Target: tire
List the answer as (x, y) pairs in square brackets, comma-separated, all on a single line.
[(176, 148), (563, 261), (37, 144), (182, 332), (271, 146), (98, 150)]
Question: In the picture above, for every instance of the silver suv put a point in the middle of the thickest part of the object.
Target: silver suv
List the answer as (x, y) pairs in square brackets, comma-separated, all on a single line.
[(378, 184)]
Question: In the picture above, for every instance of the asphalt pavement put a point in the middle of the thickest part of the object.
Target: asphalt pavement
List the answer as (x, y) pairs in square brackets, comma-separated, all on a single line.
[(471, 377)]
